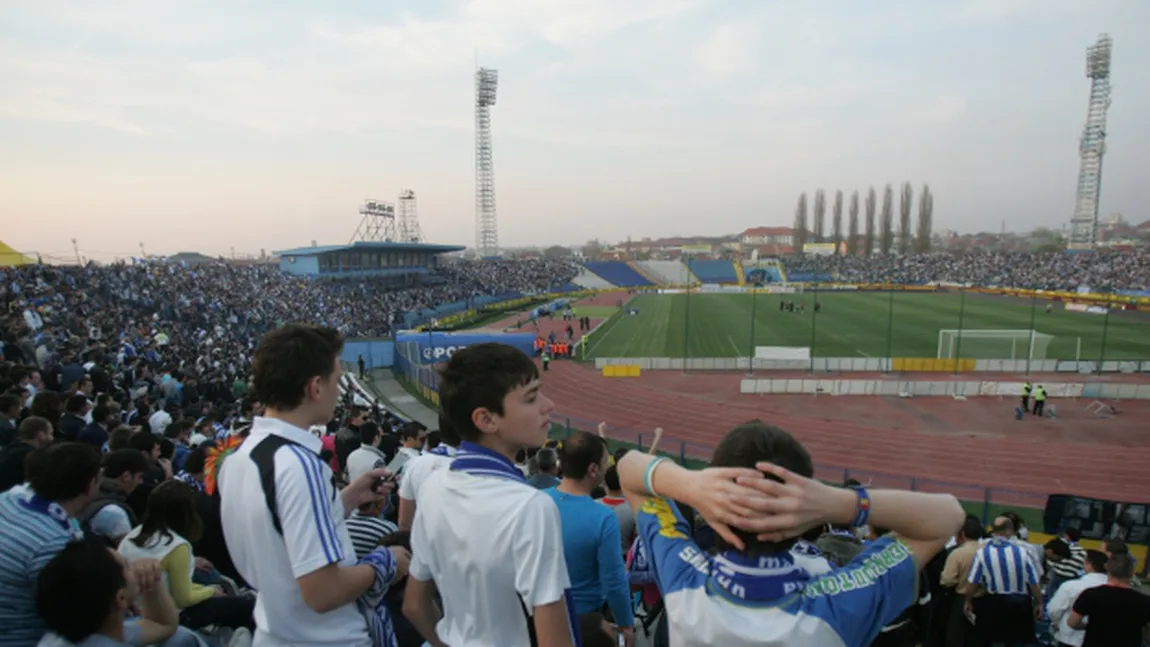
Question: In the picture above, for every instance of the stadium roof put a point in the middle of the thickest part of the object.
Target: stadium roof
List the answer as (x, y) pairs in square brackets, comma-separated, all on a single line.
[(366, 246), (10, 257)]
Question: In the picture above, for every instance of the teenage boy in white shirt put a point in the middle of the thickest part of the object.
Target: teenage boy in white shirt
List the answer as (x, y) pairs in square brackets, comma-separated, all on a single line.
[(284, 519), (486, 540)]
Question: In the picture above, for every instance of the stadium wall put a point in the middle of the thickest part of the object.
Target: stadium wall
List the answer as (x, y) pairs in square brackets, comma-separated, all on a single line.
[(876, 365), (376, 353)]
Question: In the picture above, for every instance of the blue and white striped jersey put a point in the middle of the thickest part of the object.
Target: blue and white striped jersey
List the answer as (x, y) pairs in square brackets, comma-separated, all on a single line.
[(735, 601), (1003, 567)]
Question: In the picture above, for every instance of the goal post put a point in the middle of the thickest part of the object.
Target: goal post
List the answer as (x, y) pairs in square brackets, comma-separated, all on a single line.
[(993, 344)]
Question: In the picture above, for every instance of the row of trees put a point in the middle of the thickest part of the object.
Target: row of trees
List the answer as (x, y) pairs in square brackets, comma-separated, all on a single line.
[(907, 240)]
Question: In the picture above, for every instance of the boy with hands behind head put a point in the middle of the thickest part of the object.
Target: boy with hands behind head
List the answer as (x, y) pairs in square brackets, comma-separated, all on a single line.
[(759, 496)]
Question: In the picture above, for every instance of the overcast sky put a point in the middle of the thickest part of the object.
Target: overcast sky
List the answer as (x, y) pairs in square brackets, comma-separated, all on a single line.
[(263, 125)]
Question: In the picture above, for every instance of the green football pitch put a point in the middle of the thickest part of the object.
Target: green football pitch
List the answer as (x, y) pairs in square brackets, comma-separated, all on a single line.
[(860, 324)]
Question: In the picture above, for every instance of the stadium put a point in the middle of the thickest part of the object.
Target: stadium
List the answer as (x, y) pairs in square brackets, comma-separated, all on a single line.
[(1015, 378)]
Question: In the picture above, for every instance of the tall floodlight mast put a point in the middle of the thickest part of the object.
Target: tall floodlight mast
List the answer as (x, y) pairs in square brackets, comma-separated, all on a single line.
[(486, 225), (1084, 222)]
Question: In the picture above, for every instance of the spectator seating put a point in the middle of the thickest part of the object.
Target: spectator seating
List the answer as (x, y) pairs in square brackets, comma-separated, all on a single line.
[(588, 280), (764, 273), (1101, 270), (809, 277), (668, 272), (714, 271), (618, 273)]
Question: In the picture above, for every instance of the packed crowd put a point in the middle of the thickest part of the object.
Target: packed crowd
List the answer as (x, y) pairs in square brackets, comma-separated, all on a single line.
[(220, 309), (178, 468), (1102, 271), (300, 516)]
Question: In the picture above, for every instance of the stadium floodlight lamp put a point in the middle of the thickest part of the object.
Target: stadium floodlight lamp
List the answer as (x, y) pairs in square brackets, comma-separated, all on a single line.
[(487, 82)]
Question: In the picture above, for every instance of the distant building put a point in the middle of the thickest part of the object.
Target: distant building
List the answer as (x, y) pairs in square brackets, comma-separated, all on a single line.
[(404, 263), (191, 259)]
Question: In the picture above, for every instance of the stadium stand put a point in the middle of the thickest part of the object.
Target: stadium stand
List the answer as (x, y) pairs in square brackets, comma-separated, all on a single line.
[(714, 271), (618, 273), (763, 274), (668, 272), (591, 281), (161, 349), (1100, 270)]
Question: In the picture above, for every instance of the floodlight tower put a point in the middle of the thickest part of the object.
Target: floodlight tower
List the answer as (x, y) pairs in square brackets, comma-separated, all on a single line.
[(486, 225), (377, 224), (1084, 222), (408, 216)]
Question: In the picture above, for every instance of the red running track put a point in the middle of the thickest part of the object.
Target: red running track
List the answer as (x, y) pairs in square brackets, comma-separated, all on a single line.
[(975, 443), (949, 445)]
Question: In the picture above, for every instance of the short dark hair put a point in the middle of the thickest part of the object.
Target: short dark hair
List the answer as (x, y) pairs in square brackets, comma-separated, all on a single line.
[(47, 405), (76, 590), (178, 427), (124, 461), (412, 430), (580, 451), (32, 426), (368, 432), (143, 441), (119, 437), (75, 403), (1072, 533), (753, 442), (1060, 548), (167, 448), (287, 358), (1116, 546), (447, 433), (63, 471), (972, 529), (100, 413), (171, 509), (611, 479), (196, 460), (546, 459), (480, 377), (9, 401), (1097, 560), (1120, 566)]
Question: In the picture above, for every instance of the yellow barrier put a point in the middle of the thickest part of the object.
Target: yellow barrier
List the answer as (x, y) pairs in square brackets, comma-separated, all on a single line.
[(1138, 552), (932, 365), (621, 370)]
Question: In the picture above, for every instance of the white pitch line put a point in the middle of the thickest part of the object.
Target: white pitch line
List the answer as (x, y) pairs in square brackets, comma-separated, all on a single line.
[(734, 345)]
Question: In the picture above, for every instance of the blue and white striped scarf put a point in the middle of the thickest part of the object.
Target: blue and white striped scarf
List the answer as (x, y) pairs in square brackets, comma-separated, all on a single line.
[(371, 602)]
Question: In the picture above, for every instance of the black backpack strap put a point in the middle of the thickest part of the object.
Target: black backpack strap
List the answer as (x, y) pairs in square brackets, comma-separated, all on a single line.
[(264, 456)]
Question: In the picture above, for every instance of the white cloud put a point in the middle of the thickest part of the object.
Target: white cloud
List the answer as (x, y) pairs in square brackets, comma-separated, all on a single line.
[(729, 49), (644, 99)]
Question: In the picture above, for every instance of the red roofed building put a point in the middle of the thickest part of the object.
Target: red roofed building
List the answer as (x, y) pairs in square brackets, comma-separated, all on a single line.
[(756, 236)]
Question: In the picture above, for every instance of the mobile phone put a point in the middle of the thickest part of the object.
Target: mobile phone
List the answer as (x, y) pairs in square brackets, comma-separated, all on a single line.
[(622, 639), (380, 480)]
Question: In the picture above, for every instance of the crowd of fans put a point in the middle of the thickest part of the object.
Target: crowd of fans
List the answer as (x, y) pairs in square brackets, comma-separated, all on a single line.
[(1102, 271), (219, 309), (181, 465)]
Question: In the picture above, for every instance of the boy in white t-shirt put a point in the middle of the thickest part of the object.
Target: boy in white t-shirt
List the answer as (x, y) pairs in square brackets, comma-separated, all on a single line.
[(486, 540), (416, 472)]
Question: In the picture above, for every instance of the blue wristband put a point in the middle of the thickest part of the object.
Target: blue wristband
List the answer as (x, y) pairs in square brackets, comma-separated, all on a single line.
[(647, 475), (862, 508)]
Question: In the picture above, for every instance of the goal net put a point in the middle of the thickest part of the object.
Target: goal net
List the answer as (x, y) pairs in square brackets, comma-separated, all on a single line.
[(993, 344)]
